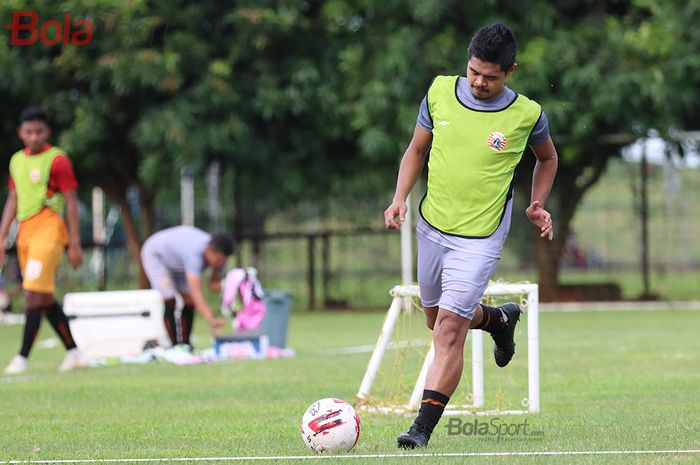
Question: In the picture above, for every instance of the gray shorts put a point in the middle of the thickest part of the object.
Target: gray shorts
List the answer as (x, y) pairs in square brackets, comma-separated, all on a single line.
[(165, 281), (452, 279)]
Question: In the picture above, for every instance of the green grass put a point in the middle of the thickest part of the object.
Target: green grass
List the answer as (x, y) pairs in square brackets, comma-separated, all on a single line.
[(610, 381)]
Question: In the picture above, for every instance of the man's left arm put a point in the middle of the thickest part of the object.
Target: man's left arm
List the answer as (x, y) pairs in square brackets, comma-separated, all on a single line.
[(542, 181), (75, 250), (63, 179)]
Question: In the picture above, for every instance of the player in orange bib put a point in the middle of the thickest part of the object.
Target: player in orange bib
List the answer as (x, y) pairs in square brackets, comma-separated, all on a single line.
[(41, 183)]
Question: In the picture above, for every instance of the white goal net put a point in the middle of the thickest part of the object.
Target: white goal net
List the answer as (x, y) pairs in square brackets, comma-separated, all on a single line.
[(395, 376)]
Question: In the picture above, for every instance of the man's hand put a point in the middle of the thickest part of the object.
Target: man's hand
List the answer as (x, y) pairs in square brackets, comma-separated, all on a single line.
[(3, 241), (397, 210), (75, 255), (215, 325), (540, 218)]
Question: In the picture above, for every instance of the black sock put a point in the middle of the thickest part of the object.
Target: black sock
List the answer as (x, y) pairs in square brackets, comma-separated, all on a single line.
[(186, 321), (59, 321), (169, 318), (431, 409), (31, 329), (493, 320)]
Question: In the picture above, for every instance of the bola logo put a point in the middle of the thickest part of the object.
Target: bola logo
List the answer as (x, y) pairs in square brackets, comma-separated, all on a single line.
[(496, 141), (27, 28)]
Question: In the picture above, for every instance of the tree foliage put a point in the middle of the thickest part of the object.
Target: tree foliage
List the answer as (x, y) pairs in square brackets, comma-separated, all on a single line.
[(310, 99)]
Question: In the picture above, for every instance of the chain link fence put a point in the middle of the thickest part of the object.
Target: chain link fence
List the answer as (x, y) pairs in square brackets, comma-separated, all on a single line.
[(353, 262)]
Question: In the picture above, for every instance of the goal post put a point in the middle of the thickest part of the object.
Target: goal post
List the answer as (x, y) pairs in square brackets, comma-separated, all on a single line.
[(403, 300)]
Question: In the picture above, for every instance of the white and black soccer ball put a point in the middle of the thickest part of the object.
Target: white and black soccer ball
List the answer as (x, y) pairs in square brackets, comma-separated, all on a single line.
[(330, 424)]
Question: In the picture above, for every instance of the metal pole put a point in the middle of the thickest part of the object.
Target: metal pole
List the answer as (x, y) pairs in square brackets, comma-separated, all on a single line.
[(99, 235), (312, 271), (478, 367), (382, 342), (325, 268), (213, 194), (407, 246), (417, 394), (187, 196), (644, 216), (533, 349)]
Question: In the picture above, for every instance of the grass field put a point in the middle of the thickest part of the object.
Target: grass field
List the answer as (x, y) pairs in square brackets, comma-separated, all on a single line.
[(610, 382)]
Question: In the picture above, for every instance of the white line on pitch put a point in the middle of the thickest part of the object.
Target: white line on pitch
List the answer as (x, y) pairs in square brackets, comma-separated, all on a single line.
[(366, 456), (16, 379), (618, 306)]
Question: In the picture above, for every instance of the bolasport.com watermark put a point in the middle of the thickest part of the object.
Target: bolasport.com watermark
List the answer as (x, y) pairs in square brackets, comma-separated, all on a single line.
[(495, 429)]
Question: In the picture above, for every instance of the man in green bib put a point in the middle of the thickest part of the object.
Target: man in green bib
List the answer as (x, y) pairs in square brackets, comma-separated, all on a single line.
[(476, 130), (42, 185)]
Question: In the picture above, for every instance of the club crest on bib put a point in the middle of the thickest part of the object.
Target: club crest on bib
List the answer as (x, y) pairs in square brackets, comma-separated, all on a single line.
[(496, 141), (35, 176)]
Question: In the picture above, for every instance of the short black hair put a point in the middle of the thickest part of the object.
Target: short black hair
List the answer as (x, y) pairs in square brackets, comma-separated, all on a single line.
[(222, 242), (494, 43), (33, 113)]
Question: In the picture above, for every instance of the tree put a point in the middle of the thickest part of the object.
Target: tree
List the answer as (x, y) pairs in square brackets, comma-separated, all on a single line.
[(310, 99), (95, 93), (604, 72), (616, 75), (169, 85)]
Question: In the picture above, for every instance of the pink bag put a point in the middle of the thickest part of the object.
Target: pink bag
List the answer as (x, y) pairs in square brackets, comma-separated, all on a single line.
[(244, 284)]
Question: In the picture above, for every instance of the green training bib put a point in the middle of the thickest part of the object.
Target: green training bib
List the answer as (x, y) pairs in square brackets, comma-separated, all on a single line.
[(31, 176), (472, 160)]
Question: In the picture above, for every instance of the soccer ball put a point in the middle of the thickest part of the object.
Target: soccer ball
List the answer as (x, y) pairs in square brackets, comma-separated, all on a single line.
[(330, 424)]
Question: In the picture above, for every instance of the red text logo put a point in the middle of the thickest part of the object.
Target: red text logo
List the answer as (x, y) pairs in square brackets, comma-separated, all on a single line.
[(27, 29)]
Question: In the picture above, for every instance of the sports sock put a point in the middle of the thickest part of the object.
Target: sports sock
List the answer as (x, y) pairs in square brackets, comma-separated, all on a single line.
[(431, 408), (493, 321), (31, 329), (186, 321), (58, 319), (169, 318)]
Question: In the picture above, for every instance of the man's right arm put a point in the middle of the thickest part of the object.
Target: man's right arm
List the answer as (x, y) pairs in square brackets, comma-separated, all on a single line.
[(8, 216), (411, 167), (194, 282), (542, 181)]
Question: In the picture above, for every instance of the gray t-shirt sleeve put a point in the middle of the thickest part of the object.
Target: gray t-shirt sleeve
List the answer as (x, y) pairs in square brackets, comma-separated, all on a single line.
[(540, 133), (193, 262), (424, 120)]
